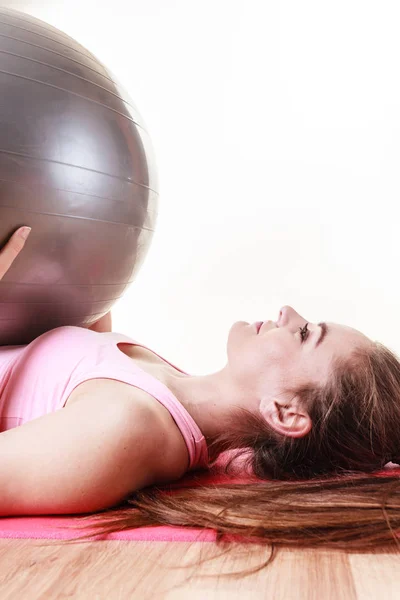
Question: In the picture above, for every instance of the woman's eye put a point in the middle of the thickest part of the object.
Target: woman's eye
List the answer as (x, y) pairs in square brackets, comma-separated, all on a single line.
[(304, 332)]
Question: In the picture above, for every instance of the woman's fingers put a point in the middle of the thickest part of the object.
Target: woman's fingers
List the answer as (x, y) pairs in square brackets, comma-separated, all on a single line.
[(11, 250)]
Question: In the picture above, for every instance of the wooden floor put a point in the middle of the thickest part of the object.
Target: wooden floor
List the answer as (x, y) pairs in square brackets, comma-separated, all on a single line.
[(115, 570)]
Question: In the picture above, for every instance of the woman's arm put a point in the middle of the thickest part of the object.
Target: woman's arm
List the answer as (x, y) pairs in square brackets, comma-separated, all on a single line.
[(103, 325), (55, 464)]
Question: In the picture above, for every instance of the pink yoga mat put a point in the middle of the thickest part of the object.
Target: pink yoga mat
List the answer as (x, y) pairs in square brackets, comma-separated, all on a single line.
[(43, 527)]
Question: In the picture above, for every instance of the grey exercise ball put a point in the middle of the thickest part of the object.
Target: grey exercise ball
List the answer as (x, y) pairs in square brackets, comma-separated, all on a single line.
[(77, 166)]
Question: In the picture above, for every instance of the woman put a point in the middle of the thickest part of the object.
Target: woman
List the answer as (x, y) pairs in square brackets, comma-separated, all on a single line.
[(317, 405)]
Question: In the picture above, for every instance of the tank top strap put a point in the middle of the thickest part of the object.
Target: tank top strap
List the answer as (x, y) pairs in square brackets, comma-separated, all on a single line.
[(194, 438)]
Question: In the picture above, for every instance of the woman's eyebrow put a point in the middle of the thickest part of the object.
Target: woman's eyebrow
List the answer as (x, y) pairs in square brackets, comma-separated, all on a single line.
[(323, 334)]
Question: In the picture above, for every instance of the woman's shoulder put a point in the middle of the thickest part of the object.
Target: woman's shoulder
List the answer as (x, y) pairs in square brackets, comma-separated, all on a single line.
[(149, 417)]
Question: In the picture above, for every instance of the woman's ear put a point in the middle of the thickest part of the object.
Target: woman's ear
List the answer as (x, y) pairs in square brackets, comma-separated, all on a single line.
[(288, 419)]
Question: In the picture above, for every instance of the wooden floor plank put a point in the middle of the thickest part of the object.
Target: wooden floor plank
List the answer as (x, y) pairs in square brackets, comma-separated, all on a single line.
[(117, 569)]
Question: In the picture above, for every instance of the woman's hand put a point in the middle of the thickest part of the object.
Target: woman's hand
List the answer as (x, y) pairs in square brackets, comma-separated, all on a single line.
[(11, 250), (103, 325)]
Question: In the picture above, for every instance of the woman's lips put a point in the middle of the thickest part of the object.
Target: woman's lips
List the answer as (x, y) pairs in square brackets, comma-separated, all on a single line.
[(259, 324)]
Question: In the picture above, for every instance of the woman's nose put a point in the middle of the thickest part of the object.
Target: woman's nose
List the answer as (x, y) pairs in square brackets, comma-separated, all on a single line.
[(287, 314)]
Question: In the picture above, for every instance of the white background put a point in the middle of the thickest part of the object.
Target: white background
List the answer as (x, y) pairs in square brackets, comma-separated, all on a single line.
[(276, 131)]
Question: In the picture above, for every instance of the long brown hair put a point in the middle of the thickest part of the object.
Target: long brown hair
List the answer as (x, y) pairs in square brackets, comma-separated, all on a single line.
[(326, 489)]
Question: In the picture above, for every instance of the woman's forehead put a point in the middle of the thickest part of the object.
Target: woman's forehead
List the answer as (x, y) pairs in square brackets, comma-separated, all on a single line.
[(346, 333)]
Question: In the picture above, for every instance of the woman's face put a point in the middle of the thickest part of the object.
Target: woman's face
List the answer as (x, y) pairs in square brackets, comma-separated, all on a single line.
[(285, 353)]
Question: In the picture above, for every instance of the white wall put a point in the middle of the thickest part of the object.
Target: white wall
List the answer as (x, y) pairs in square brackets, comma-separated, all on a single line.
[(276, 130)]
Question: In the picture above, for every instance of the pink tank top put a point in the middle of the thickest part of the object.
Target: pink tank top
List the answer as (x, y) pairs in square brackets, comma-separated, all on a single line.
[(38, 378)]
